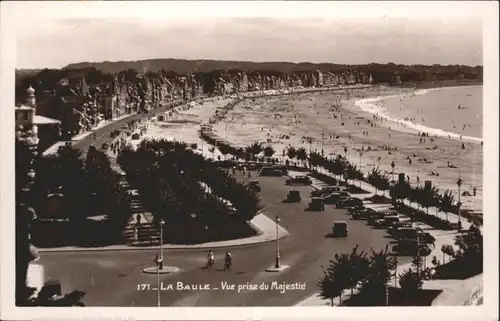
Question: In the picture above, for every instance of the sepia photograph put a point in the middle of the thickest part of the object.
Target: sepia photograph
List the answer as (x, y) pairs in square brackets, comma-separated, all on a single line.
[(296, 155)]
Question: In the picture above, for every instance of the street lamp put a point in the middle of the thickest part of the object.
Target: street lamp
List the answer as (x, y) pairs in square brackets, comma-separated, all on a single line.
[(159, 265), (360, 156), (162, 222), (393, 165), (277, 265), (459, 184), (322, 144)]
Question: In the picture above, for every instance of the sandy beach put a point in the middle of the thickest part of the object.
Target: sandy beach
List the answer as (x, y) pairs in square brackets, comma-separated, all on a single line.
[(287, 120), (371, 141)]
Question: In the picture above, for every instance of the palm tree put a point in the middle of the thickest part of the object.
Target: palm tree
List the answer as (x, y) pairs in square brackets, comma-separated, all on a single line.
[(254, 149), (269, 151), (447, 250), (446, 202), (291, 153), (302, 155)]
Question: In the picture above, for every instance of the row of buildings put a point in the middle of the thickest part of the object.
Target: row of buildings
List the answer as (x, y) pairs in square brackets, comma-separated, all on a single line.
[(74, 105)]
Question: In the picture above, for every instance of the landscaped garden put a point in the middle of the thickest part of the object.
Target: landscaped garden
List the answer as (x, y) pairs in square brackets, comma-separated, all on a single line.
[(197, 200)]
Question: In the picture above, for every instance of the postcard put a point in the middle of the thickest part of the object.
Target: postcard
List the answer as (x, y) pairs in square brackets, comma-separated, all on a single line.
[(249, 160)]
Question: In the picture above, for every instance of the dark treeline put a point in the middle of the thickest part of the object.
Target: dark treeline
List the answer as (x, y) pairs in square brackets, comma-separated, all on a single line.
[(182, 66), (208, 72)]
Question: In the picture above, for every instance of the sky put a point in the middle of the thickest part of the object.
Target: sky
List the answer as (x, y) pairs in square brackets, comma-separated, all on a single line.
[(343, 39)]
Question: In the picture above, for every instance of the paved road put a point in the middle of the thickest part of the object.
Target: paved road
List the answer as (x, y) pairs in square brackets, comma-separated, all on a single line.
[(103, 133), (111, 278)]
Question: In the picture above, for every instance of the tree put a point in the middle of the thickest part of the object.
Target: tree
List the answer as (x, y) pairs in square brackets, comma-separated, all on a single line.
[(381, 268), (302, 154), (269, 151), (447, 250), (471, 245), (254, 149), (358, 268), (315, 159), (399, 191), (291, 152), (329, 287), (447, 202), (411, 282)]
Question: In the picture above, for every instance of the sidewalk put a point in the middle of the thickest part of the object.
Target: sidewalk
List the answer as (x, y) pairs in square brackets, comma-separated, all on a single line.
[(264, 226)]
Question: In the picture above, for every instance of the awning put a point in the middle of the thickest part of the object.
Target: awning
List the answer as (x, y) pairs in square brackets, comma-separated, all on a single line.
[(42, 120)]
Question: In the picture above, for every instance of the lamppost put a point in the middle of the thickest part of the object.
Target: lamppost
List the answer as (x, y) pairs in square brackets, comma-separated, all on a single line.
[(393, 165), (360, 156), (277, 265), (459, 184), (159, 262), (322, 144), (161, 243)]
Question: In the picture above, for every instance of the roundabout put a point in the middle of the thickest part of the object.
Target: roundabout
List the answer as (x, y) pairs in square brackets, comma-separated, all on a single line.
[(164, 270), (277, 269)]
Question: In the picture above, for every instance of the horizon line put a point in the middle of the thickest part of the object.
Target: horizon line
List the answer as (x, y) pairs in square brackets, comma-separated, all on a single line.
[(248, 61)]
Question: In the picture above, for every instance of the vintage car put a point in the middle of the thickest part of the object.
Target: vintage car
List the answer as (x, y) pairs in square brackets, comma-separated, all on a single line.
[(335, 197), (393, 229), (409, 247), (254, 185), (326, 191), (299, 180), (363, 213), (386, 221), (350, 203), (416, 234), (380, 215), (316, 204), (339, 229), (270, 171), (293, 196)]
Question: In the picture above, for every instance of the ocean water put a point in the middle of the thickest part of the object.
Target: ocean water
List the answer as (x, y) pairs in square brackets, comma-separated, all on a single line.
[(434, 110)]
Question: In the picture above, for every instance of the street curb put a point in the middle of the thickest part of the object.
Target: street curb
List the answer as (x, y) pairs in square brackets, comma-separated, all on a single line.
[(223, 244)]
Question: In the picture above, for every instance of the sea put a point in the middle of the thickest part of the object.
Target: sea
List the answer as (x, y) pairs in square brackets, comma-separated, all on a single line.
[(447, 111)]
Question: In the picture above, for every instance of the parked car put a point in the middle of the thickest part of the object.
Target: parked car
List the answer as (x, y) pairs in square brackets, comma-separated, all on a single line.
[(380, 215), (339, 229), (254, 185), (409, 247), (299, 180), (386, 221), (283, 169), (363, 213), (293, 196), (317, 204), (350, 202), (393, 229), (414, 234), (335, 197), (270, 171), (326, 191)]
